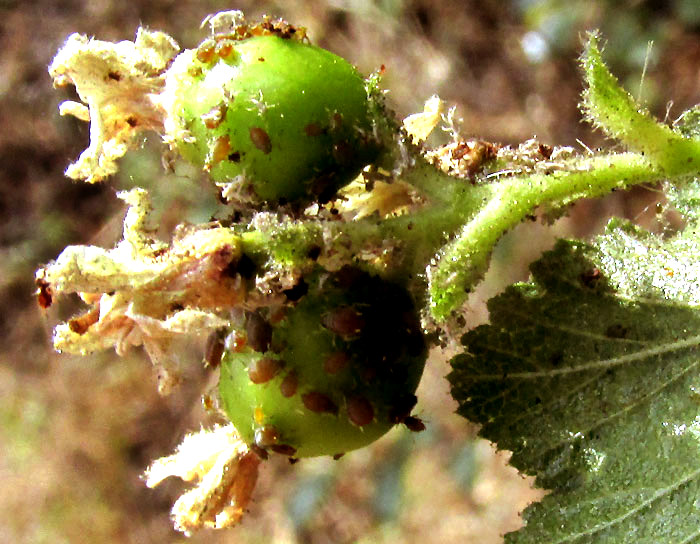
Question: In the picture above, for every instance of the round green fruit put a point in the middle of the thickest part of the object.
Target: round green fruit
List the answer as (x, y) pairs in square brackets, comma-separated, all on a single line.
[(332, 374), (278, 120)]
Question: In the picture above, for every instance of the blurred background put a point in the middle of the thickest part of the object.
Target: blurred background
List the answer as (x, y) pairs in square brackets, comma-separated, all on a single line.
[(76, 433)]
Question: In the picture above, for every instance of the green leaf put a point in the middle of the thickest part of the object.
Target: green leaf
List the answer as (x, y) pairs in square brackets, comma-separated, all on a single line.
[(589, 375), (685, 197)]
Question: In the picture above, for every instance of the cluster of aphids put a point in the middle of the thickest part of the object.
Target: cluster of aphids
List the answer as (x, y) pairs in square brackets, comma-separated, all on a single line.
[(329, 371), (221, 45)]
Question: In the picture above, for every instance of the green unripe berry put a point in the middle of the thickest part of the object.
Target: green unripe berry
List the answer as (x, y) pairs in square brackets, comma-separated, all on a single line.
[(335, 373), (280, 119)]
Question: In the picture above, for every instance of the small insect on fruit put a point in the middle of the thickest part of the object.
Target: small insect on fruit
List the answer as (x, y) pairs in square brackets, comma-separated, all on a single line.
[(351, 358)]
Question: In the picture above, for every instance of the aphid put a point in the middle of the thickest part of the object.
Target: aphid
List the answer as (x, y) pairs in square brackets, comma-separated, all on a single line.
[(44, 294), (206, 51), (289, 384), (545, 150), (213, 118), (336, 362), (259, 332), (257, 450), (214, 349), (360, 410), (283, 449), (313, 129), (344, 321), (235, 341), (402, 409), (220, 151), (260, 139), (319, 403), (210, 403), (266, 436), (279, 28), (336, 121), (414, 424), (264, 369), (224, 48)]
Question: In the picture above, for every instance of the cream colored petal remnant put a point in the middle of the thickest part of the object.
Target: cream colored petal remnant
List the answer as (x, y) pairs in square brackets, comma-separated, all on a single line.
[(224, 470), (116, 82), (143, 292), (419, 125)]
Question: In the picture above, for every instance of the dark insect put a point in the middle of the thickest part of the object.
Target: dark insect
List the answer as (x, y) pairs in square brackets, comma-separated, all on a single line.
[(590, 278), (402, 409), (360, 411), (344, 321), (295, 293), (313, 129), (257, 450), (44, 295), (414, 424), (259, 332), (260, 139), (264, 369), (206, 51), (616, 331), (545, 150), (266, 436), (343, 153), (220, 151), (283, 449), (336, 362), (215, 116), (214, 349), (319, 403), (289, 384)]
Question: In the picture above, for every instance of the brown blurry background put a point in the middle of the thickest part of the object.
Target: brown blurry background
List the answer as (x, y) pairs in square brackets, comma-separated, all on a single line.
[(76, 433)]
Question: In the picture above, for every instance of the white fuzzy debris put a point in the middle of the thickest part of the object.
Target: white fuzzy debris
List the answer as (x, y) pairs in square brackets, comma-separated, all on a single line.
[(225, 472), (116, 83)]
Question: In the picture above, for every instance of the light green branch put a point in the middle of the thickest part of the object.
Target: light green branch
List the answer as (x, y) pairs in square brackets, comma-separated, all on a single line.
[(612, 109)]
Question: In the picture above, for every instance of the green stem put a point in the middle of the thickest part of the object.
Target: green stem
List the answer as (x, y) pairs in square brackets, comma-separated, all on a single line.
[(609, 107), (465, 260), (402, 246)]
